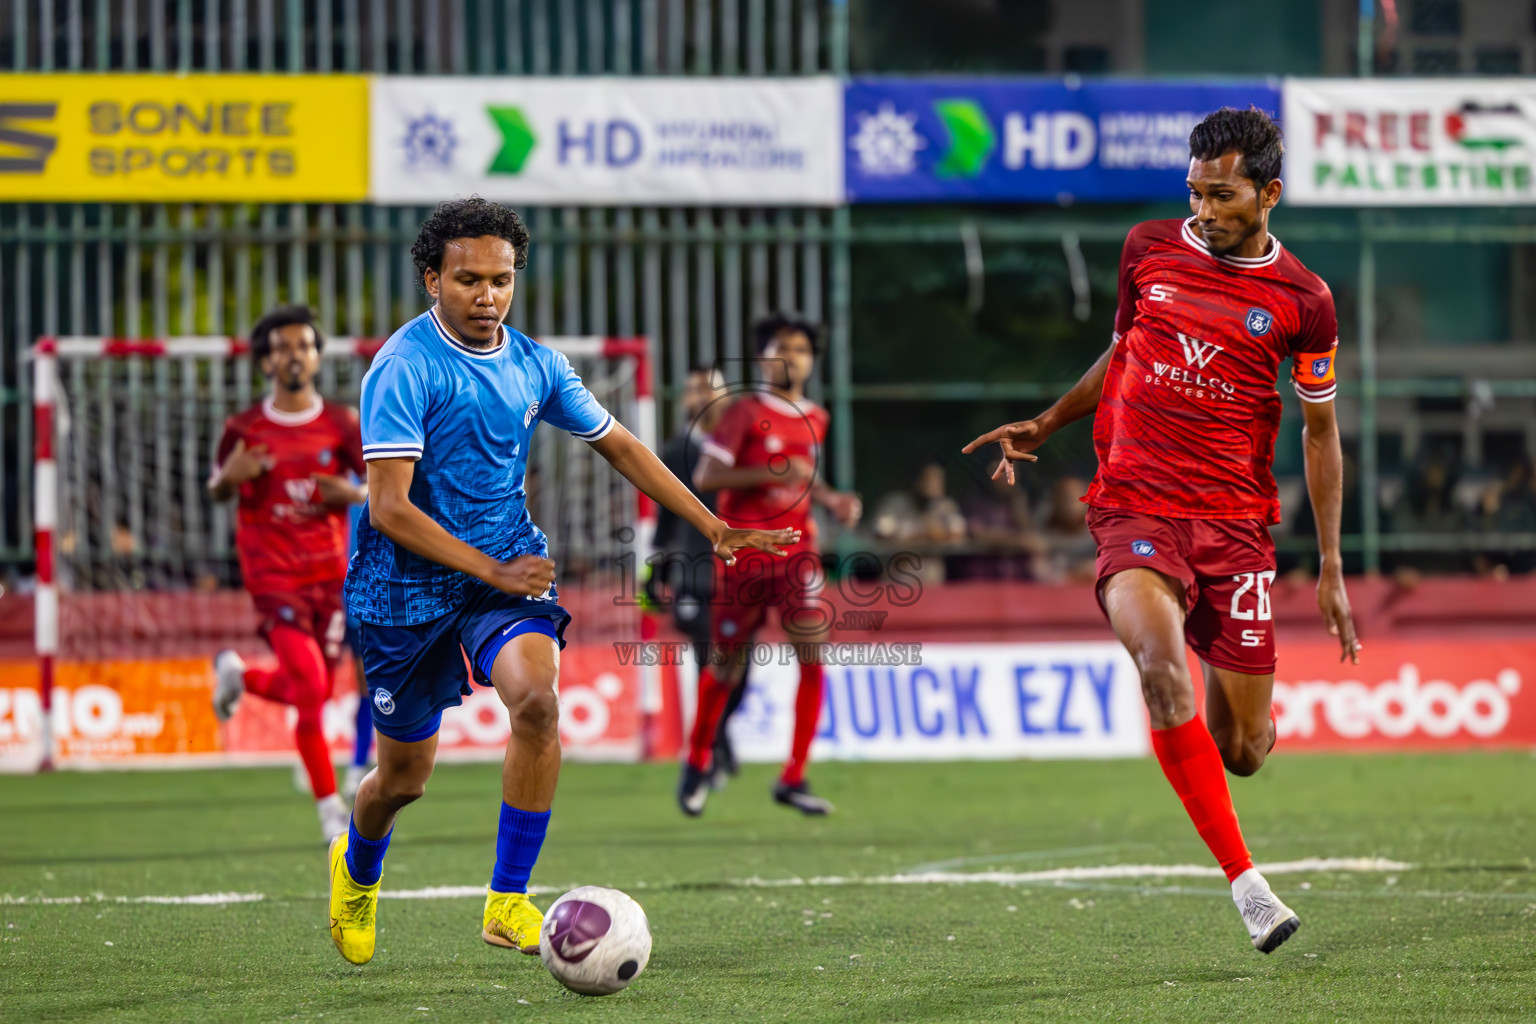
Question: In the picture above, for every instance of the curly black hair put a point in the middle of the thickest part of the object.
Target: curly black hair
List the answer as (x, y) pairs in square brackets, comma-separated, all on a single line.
[(1251, 132), (282, 316), (771, 326), (468, 218)]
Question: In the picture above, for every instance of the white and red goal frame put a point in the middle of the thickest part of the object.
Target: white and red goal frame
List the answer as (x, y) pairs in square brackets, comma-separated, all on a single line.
[(47, 353)]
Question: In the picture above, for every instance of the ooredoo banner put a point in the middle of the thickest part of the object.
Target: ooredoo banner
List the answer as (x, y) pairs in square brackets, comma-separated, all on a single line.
[(1407, 694), (241, 138), (608, 141), (1410, 142), (1029, 140)]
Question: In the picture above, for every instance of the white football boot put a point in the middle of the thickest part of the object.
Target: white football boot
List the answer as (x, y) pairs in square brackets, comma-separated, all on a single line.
[(1269, 921), (229, 669), (334, 816)]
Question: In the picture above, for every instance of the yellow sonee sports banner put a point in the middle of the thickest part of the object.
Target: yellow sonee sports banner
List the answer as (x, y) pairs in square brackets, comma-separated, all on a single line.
[(183, 137)]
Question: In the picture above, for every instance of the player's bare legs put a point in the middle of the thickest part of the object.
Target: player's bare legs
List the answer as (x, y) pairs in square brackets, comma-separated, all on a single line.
[(399, 779), (525, 673), (1237, 713), (1146, 610)]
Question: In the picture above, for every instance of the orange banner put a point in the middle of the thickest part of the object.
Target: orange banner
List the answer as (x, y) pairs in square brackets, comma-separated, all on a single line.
[(125, 712)]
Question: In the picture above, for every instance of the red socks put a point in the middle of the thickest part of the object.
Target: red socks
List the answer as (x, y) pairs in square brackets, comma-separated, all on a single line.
[(807, 715), (301, 680), (713, 695), (1193, 765)]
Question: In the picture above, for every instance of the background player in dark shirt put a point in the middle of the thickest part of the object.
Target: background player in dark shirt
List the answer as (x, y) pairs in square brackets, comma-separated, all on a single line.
[(1185, 424), (286, 459)]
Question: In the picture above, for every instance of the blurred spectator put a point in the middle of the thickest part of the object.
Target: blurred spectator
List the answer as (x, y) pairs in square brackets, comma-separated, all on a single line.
[(1304, 528), (1001, 527), (1069, 549), (923, 514), (1427, 506), (924, 519), (1509, 506)]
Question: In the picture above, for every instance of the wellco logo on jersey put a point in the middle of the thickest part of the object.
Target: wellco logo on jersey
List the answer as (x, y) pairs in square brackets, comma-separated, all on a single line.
[(384, 701), (1259, 322), (1191, 379)]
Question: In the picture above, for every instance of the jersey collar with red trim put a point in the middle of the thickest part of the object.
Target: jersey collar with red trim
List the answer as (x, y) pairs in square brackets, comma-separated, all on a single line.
[(1196, 243)]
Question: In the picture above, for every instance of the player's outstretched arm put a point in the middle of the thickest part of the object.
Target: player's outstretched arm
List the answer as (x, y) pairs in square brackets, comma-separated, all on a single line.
[(1019, 439), (391, 512), (640, 466), (1325, 486)]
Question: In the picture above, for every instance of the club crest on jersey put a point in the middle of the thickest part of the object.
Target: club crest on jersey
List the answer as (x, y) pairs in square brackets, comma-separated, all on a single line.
[(325, 457), (773, 443), (1259, 322), (384, 701), (1320, 366), (1143, 548), (533, 410)]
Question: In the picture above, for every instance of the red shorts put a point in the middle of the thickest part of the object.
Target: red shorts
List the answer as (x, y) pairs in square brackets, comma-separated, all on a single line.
[(317, 610), (745, 591), (1226, 567)]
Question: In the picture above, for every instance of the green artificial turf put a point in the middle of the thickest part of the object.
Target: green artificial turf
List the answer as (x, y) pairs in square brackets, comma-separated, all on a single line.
[(1448, 939)]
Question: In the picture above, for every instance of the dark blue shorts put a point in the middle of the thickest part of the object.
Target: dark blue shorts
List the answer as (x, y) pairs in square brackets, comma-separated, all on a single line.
[(414, 672)]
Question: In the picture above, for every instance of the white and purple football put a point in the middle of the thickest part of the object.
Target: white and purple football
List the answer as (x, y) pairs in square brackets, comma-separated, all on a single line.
[(595, 940)]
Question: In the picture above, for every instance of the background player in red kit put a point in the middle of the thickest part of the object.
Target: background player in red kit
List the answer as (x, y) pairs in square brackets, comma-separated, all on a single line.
[(285, 458), (1187, 415), (762, 458)]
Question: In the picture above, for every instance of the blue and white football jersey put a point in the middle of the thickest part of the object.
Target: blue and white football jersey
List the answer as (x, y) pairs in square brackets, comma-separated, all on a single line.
[(467, 415)]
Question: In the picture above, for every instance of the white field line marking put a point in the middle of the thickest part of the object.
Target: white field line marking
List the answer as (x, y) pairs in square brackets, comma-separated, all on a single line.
[(1066, 875), (1083, 874), (205, 899)]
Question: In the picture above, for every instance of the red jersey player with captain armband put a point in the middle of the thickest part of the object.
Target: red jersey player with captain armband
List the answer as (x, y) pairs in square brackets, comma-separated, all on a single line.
[(287, 459), (762, 458), (1186, 415)]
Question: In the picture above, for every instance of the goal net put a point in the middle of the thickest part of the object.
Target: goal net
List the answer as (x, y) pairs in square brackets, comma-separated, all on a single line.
[(138, 580)]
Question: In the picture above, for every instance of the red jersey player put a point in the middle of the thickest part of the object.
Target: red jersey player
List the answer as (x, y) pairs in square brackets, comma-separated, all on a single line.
[(1187, 414), (762, 458), (285, 459)]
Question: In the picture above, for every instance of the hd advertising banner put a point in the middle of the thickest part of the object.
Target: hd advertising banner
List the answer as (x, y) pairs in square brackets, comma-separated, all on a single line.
[(944, 702), (1410, 142), (245, 138), (969, 140), (604, 141)]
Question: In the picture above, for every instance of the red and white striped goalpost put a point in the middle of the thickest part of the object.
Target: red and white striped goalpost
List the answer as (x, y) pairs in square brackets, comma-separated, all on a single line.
[(45, 357)]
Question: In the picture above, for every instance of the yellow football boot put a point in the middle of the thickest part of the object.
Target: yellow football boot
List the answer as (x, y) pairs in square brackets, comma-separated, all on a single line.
[(511, 921), (353, 908)]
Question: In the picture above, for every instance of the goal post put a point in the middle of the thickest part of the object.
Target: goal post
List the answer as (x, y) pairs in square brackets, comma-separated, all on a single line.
[(135, 562)]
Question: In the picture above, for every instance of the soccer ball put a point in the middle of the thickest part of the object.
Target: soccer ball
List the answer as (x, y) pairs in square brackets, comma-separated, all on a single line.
[(595, 940)]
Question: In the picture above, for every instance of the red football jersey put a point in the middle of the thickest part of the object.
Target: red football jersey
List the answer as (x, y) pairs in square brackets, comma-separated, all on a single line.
[(1187, 422), (763, 429), (287, 540)]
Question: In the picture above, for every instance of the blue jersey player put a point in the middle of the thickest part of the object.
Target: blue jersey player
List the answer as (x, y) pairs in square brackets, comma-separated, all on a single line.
[(449, 565)]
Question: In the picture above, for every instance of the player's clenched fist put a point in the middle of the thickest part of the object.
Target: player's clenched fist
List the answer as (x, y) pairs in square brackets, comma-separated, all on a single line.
[(526, 575), (245, 464)]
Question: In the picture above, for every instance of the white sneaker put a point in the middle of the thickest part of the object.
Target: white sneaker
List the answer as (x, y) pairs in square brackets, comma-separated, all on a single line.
[(229, 669), (1269, 921), (334, 816), (354, 778)]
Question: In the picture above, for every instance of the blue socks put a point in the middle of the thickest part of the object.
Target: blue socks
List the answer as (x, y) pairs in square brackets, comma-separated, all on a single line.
[(364, 740), (365, 857), (519, 838)]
